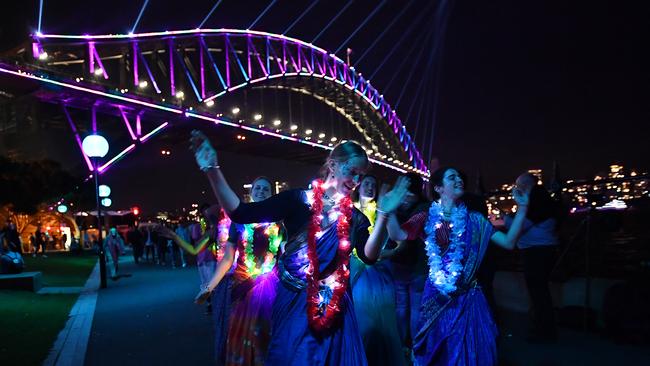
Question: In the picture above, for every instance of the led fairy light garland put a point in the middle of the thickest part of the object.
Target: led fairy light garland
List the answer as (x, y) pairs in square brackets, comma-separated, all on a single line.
[(321, 313), (223, 227), (272, 233)]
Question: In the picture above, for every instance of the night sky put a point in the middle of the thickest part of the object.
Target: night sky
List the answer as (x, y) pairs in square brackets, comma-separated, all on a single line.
[(522, 83)]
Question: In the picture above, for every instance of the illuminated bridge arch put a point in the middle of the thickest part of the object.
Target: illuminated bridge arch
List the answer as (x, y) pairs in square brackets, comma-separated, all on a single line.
[(187, 73)]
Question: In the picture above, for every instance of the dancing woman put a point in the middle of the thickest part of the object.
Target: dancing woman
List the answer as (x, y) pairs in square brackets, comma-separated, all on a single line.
[(408, 266), (210, 251), (455, 326), (373, 293), (253, 283), (313, 320)]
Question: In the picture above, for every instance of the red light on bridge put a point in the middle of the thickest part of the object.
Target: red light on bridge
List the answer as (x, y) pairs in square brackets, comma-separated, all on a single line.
[(136, 211)]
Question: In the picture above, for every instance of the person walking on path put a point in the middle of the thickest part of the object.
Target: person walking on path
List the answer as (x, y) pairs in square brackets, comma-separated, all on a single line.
[(114, 245), (134, 237)]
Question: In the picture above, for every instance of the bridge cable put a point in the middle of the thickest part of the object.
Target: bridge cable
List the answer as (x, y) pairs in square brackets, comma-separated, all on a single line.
[(210, 13), (445, 14), (425, 76), (137, 20), (381, 35), (421, 40), (410, 74), (332, 20), (40, 15), (422, 101), (425, 114), (424, 107), (396, 45), (420, 84), (261, 14), (361, 25), (300, 17)]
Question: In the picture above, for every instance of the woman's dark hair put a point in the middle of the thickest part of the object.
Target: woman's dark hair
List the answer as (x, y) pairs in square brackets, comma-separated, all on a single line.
[(356, 195), (438, 176), (343, 152), (416, 185), (542, 206), (210, 212), (475, 202)]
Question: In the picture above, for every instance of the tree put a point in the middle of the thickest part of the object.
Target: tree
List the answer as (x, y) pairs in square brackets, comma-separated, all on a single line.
[(26, 185)]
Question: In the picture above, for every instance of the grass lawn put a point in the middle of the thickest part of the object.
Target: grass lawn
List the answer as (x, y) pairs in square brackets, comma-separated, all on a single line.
[(29, 324), (62, 269)]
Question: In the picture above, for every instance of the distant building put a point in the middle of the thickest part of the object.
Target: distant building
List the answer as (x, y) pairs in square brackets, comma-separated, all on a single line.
[(610, 189)]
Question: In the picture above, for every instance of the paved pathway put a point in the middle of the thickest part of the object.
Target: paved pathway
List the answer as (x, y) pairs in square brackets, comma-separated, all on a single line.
[(150, 319), (574, 348), (69, 348)]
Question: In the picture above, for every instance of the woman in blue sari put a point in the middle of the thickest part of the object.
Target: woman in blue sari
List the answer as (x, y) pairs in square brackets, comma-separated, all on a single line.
[(313, 320), (456, 325), (373, 293)]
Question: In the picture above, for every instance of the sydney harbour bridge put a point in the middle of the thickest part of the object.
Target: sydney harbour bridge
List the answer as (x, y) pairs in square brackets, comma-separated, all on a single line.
[(286, 97)]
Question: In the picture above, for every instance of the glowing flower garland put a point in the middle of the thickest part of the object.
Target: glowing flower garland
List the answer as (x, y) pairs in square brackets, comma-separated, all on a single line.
[(223, 226), (320, 313), (272, 233), (444, 271)]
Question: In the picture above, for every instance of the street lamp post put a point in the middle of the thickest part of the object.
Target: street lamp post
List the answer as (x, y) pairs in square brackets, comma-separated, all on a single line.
[(96, 146)]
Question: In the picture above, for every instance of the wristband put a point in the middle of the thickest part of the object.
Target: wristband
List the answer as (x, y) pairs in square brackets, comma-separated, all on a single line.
[(382, 212), (206, 168)]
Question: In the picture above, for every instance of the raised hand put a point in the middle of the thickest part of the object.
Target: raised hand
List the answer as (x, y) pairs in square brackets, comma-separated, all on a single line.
[(383, 190), (389, 202), (521, 197), (204, 153)]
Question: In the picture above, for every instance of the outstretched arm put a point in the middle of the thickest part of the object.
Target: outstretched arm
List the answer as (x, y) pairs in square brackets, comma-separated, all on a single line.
[(206, 158), (395, 231), (222, 268), (168, 233), (509, 239), (386, 204)]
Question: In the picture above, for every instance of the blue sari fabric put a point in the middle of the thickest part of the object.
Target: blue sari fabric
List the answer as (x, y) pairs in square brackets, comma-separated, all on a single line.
[(459, 329), (293, 342), (221, 307), (374, 303)]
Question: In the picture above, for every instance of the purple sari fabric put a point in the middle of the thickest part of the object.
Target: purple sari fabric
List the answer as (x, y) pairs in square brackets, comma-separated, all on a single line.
[(249, 329), (459, 329)]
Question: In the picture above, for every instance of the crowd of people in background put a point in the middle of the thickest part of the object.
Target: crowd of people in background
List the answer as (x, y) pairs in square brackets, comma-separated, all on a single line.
[(420, 271), (418, 291)]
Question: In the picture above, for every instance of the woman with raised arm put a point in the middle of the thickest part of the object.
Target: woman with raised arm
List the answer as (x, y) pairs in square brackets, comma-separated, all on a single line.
[(373, 292), (253, 283), (211, 235), (313, 320), (455, 326)]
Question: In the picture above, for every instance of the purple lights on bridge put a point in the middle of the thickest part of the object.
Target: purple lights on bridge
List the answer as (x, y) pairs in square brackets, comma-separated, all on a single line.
[(257, 58)]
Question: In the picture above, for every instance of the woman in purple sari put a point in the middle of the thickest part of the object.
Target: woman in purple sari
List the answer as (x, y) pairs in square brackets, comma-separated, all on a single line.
[(313, 320), (251, 284), (456, 325)]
